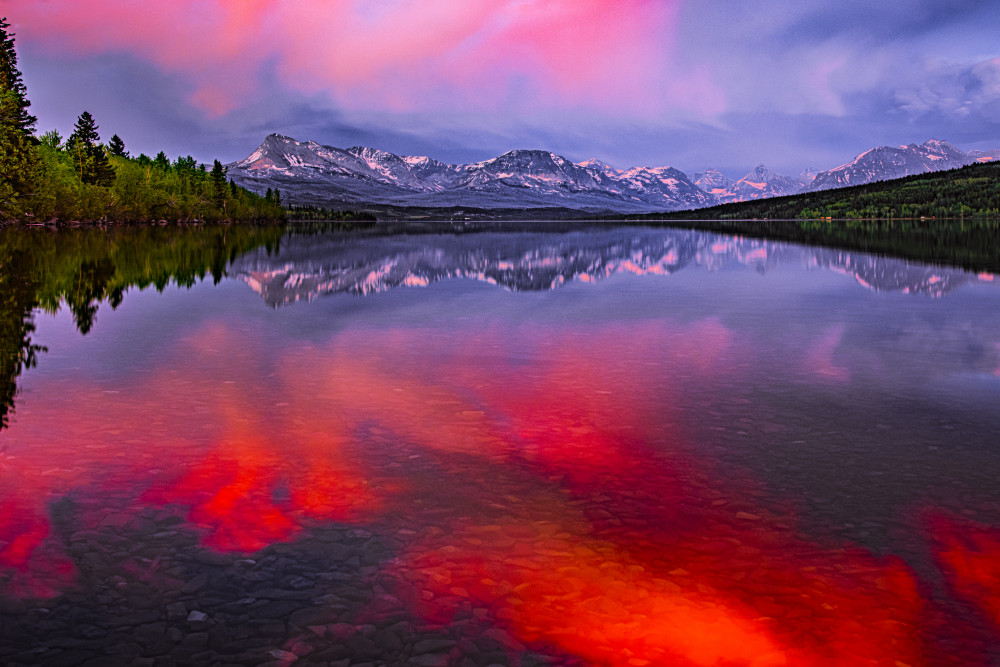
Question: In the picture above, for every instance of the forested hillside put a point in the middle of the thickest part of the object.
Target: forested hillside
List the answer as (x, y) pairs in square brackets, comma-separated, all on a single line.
[(969, 192)]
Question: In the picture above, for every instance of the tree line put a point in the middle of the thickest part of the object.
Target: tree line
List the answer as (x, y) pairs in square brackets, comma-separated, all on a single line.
[(83, 179)]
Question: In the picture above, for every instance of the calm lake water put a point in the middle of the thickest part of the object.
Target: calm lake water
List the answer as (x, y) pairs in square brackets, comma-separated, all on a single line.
[(627, 446)]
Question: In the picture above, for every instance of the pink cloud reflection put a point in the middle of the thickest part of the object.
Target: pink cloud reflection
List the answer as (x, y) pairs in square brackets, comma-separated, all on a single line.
[(406, 55)]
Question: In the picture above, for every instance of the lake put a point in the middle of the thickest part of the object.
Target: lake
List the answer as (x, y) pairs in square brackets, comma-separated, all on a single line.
[(583, 446)]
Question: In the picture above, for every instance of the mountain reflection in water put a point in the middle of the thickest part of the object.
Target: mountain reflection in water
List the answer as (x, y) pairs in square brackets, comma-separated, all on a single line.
[(710, 468), (310, 266)]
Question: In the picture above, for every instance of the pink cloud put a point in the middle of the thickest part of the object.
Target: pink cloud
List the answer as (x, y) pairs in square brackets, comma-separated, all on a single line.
[(426, 55)]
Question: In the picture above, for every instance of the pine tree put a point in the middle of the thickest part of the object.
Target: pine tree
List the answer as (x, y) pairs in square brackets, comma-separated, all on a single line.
[(219, 184), (10, 81), (117, 147), (18, 155), (162, 161), (89, 155), (52, 139)]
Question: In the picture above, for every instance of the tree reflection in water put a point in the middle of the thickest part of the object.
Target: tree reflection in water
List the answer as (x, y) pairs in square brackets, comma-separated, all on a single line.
[(81, 268)]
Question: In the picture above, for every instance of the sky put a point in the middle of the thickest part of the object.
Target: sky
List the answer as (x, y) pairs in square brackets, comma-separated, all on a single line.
[(693, 84)]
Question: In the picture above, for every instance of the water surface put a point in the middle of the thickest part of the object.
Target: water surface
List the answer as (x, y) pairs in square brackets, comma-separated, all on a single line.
[(624, 446)]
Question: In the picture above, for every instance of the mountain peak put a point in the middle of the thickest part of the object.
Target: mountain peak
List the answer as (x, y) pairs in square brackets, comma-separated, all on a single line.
[(529, 153), (594, 163)]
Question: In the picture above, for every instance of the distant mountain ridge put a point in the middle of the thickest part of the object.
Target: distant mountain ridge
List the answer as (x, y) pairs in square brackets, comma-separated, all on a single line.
[(887, 162), (308, 173)]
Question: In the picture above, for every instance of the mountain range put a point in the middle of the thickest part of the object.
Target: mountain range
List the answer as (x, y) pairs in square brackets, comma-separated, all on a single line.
[(310, 266), (308, 173)]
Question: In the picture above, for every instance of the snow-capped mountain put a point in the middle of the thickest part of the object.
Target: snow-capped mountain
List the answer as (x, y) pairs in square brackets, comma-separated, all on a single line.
[(808, 175), (309, 173), (984, 156), (761, 182), (886, 162), (713, 182), (309, 266)]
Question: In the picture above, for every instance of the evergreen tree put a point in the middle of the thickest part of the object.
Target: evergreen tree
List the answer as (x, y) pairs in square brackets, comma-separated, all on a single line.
[(89, 156), (219, 184), (10, 82), (18, 156), (117, 147), (52, 139), (162, 161), (185, 165)]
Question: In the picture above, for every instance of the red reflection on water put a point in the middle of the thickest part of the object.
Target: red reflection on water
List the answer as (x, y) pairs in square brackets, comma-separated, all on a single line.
[(27, 567), (232, 499), (969, 553), (569, 498), (660, 555), (591, 600)]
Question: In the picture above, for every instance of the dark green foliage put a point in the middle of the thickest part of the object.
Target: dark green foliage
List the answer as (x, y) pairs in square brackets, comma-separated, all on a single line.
[(89, 156), (52, 139), (185, 165), (140, 190), (302, 213), (17, 300), (220, 187), (161, 161), (85, 131), (18, 157), (117, 147), (16, 114), (18, 162), (81, 268)]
